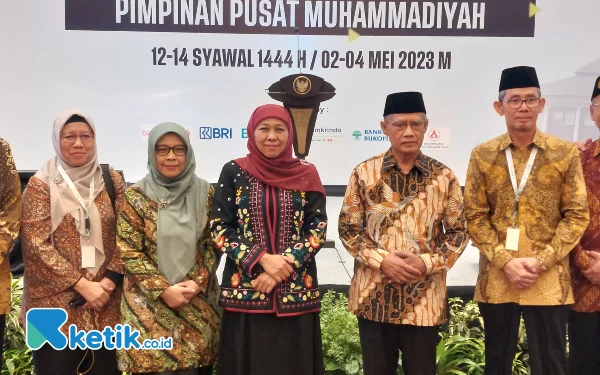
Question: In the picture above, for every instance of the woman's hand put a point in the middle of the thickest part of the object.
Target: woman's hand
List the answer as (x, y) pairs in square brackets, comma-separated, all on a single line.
[(95, 293), (277, 266), (108, 283), (192, 289), (108, 286), (264, 283), (174, 296)]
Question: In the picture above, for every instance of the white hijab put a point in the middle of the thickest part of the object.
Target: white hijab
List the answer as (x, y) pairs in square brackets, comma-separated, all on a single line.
[(62, 199)]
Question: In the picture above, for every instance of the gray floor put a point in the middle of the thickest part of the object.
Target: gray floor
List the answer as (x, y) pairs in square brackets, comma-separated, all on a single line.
[(335, 265)]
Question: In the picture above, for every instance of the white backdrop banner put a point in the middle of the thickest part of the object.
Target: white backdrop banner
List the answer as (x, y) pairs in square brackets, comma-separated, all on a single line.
[(206, 64)]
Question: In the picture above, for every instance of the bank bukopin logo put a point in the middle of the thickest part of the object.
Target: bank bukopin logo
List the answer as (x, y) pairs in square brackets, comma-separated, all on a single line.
[(370, 135), (207, 132), (43, 326)]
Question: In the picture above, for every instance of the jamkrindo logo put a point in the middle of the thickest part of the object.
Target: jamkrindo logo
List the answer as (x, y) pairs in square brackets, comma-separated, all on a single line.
[(43, 326), (326, 134)]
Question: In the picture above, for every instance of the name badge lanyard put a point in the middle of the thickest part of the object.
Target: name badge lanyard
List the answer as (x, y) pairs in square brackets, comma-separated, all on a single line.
[(67, 179), (513, 177)]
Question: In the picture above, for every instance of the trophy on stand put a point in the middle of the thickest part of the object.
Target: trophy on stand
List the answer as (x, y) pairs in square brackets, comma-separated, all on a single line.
[(302, 94)]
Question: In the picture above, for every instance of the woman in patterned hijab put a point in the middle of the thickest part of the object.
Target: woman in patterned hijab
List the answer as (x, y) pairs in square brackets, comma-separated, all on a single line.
[(69, 248)]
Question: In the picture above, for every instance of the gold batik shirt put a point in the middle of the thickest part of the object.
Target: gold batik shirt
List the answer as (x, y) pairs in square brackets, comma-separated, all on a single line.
[(552, 216), (386, 210), (10, 219)]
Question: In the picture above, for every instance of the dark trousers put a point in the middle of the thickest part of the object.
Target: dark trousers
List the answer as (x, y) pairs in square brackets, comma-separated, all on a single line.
[(546, 328), (2, 328), (584, 343), (190, 371), (49, 361), (381, 343)]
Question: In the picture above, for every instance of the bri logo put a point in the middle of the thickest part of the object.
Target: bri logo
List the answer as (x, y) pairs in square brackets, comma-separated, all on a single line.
[(215, 133), (43, 325)]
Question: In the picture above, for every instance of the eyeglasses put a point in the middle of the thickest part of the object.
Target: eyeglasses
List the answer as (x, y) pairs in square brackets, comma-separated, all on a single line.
[(164, 150), (516, 103), (402, 126), (72, 138)]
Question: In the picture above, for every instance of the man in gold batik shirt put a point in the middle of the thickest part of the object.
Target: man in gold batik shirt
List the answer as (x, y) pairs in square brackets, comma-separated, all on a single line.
[(525, 241), (402, 220), (10, 222)]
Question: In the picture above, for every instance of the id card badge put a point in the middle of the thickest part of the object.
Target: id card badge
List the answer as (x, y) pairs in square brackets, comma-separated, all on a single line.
[(88, 256), (512, 238)]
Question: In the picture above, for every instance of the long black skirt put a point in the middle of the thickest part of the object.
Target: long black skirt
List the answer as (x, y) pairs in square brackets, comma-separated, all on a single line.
[(263, 344)]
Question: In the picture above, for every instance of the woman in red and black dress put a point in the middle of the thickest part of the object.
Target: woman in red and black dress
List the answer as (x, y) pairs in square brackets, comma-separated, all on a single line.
[(269, 218)]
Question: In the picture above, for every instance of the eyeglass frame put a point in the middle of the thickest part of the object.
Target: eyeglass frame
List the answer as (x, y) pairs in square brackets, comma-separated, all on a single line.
[(76, 137), (185, 149), (414, 125), (521, 101)]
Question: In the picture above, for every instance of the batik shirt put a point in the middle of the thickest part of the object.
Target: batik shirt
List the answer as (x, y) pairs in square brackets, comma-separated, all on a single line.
[(386, 210), (195, 326), (587, 295), (552, 215), (10, 219)]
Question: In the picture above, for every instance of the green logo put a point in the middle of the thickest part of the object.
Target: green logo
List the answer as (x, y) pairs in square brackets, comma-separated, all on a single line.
[(357, 134)]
